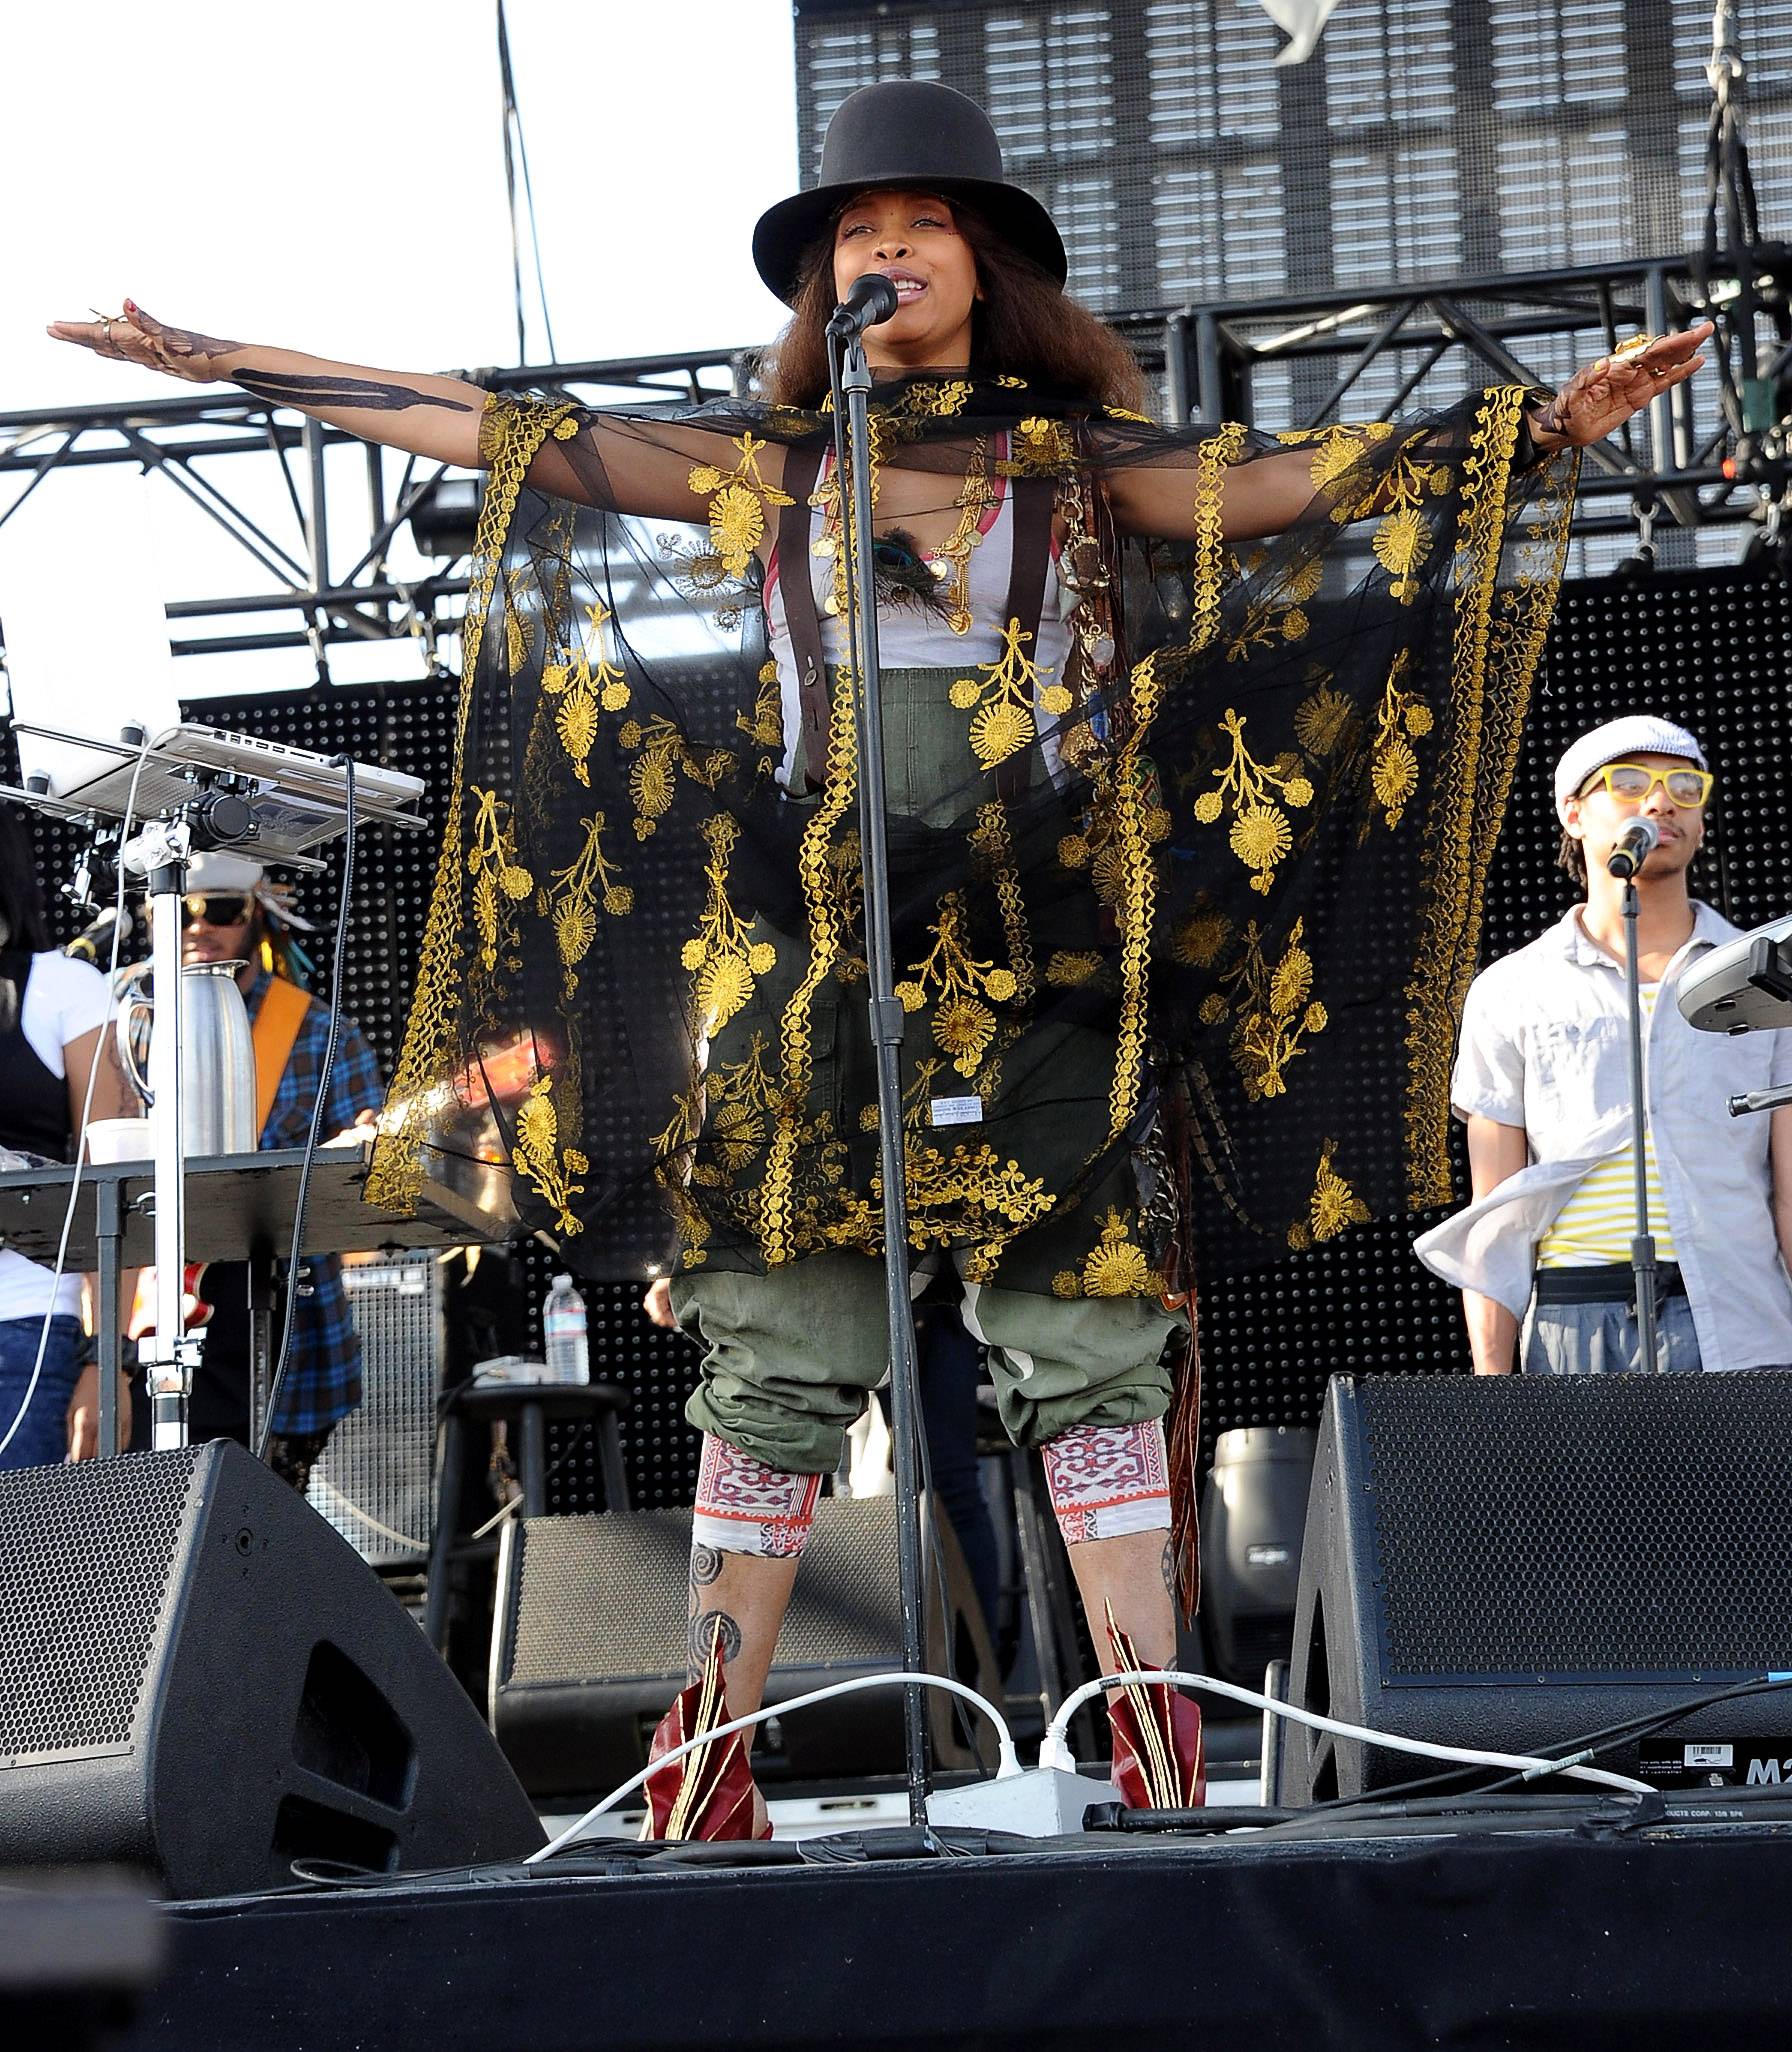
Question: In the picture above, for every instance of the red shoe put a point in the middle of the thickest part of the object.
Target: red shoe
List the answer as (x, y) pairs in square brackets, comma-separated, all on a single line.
[(1159, 1761), (707, 1792)]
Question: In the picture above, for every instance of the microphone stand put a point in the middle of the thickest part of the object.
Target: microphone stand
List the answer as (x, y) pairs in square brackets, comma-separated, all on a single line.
[(1642, 1245), (850, 378)]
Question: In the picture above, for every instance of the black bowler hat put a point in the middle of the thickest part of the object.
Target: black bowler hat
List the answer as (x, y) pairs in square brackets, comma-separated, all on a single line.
[(905, 135)]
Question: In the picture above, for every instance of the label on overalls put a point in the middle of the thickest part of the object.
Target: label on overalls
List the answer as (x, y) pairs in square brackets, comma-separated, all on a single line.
[(958, 1111)]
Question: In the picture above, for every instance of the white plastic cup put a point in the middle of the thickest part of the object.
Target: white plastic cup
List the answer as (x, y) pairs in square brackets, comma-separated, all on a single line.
[(110, 1140)]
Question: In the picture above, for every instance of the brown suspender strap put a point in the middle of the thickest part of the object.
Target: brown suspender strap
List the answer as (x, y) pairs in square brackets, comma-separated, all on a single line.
[(276, 1031), (797, 577), (1033, 498)]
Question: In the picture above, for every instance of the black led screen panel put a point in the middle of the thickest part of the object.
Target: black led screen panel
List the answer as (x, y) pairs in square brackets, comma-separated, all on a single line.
[(1712, 648)]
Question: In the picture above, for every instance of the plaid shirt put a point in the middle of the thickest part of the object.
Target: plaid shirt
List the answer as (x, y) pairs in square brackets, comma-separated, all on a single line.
[(323, 1380)]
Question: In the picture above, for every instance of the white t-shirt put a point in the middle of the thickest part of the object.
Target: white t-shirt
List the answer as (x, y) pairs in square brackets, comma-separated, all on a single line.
[(63, 1000)]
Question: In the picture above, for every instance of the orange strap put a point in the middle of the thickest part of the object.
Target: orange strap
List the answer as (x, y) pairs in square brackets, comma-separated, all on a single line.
[(282, 1013)]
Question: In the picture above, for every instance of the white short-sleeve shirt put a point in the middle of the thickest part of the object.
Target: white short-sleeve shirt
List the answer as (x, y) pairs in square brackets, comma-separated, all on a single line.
[(1545, 1047), (63, 1000)]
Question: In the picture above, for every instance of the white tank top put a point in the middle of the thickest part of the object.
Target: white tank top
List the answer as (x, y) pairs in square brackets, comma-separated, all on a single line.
[(914, 637)]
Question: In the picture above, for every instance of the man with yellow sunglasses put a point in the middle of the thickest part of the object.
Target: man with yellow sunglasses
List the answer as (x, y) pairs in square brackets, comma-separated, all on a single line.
[(1542, 1253)]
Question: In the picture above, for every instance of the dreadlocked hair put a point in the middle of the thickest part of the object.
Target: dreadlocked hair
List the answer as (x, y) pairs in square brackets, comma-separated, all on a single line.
[(1023, 326)]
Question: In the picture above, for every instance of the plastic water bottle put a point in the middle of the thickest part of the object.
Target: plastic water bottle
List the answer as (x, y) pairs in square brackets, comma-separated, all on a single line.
[(563, 1328)]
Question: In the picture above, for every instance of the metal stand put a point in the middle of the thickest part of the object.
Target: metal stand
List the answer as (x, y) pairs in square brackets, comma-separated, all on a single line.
[(1642, 1244), (169, 1356), (851, 378)]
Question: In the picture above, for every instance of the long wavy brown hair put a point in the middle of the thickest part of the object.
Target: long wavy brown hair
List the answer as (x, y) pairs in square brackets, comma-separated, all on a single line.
[(1023, 326)]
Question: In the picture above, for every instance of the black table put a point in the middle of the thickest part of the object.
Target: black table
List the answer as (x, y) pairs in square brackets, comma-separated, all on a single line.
[(239, 1207)]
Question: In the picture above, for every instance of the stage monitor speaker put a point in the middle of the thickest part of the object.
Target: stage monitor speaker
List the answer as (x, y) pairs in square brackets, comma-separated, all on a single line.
[(590, 1639), (1253, 1511), (200, 1678), (1511, 1562)]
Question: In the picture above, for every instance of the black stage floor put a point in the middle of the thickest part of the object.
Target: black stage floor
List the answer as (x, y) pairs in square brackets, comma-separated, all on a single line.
[(1599, 1931)]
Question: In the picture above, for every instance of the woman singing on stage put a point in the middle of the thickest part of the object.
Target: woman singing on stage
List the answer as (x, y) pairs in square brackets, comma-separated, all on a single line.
[(1196, 740)]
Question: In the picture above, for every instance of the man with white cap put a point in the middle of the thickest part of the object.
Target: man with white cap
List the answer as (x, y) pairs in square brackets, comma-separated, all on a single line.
[(1542, 1079), (232, 913)]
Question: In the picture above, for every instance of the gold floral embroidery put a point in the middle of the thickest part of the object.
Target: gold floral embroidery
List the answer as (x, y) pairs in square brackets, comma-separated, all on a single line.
[(1070, 969), (1198, 939), (511, 432), (575, 893), (1114, 1267), (538, 1155), (653, 775), (963, 1025), (1404, 537), (497, 874), (582, 691), (1322, 719), (1492, 679), (1003, 722), (698, 574), (766, 727), (737, 502), (1332, 1206), (1275, 1010), (725, 961), (1261, 835), (1400, 719), (1040, 448), (990, 838), (935, 398), (1277, 616), (969, 1191)]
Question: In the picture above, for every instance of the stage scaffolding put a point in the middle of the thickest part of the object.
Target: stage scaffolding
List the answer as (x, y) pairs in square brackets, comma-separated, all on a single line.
[(1689, 464)]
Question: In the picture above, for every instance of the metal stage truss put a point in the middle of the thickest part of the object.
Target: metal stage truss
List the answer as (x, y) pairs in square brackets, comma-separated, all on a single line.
[(1295, 361)]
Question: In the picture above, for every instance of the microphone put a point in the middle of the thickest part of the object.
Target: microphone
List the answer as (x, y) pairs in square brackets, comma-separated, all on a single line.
[(94, 943), (871, 300), (1631, 851)]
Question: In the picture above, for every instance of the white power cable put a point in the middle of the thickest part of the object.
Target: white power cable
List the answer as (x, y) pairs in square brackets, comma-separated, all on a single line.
[(93, 1072), (1007, 1760), (1053, 1752), (354, 1510)]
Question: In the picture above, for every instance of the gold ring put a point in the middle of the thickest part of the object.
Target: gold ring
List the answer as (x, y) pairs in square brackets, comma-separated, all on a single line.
[(1635, 346)]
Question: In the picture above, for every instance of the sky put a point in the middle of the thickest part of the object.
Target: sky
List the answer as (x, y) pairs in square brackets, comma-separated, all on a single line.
[(328, 175)]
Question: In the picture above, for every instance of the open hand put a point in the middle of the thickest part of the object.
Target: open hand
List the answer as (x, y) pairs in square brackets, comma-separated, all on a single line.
[(1602, 396), (137, 337)]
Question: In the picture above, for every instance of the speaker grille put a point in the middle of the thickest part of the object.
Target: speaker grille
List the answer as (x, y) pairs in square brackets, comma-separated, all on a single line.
[(1630, 1526), (600, 1597), (86, 1560), (375, 1481)]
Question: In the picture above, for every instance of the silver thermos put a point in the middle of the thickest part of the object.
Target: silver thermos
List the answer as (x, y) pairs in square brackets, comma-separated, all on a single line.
[(217, 1070)]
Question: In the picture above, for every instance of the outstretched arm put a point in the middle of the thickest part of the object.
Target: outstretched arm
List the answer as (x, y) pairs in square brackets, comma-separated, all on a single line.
[(642, 468), (427, 415), (1270, 493)]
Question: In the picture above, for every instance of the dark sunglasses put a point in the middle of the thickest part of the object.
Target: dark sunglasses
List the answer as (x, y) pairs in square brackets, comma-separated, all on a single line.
[(215, 908)]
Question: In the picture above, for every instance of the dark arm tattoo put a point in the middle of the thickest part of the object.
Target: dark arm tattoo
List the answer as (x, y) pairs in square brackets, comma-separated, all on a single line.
[(190, 342), (292, 388), (706, 1564)]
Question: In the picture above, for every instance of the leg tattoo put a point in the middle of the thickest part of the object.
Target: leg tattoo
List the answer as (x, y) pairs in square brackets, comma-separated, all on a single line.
[(711, 1628)]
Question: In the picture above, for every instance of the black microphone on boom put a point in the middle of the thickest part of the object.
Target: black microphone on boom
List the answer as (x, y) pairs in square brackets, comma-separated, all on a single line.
[(1631, 850), (94, 942), (871, 300)]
